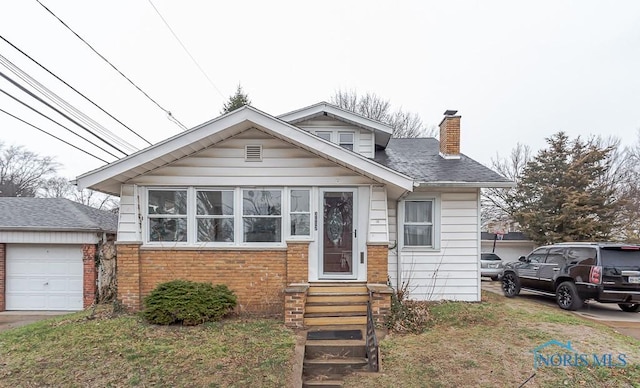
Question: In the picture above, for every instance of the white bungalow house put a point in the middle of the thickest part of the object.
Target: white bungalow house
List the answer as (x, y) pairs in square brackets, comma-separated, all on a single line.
[(277, 207)]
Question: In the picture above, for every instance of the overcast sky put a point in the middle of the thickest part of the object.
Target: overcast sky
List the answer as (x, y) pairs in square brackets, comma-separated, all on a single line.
[(516, 71)]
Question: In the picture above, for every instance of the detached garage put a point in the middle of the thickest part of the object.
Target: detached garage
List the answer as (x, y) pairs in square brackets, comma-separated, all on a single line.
[(47, 253)]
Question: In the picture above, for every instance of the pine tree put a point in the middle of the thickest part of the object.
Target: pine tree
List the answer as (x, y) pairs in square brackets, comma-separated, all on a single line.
[(565, 194), (236, 101)]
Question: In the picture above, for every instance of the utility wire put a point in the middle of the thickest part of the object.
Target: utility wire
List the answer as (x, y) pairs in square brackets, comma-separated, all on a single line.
[(29, 92), (74, 89), (186, 50), (169, 115), (60, 102), (55, 122), (53, 136)]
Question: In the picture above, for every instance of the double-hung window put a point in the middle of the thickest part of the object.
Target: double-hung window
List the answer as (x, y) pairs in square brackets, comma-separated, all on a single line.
[(262, 215), (215, 216), (326, 135), (300, 213), (419, 223), (346, 140), (167, 213)]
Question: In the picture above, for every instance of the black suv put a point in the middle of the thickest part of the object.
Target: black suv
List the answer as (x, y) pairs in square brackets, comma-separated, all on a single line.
[(575, 272)]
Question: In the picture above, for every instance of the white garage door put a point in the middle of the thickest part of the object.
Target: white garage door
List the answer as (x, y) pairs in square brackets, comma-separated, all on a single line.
[(43, 277)]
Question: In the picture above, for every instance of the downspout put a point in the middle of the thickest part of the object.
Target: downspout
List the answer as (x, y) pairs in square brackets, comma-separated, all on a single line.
[(398, 231)]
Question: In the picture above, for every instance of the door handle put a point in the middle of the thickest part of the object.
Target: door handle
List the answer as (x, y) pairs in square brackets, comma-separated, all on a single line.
[(536, 267), (556, 269)]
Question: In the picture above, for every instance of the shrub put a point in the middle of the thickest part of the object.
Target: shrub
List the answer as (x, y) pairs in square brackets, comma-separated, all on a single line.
[(188, 303)]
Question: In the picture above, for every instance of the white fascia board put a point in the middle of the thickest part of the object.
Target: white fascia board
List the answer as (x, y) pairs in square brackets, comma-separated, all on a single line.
[(312, 110), (191, 136), (480, 185), (232, 123)]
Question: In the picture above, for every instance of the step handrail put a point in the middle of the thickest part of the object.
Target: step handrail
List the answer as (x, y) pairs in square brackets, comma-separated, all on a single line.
[(371, 341)]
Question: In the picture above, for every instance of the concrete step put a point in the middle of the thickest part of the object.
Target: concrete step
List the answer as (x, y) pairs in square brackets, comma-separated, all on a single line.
[(325, 321), (335, 307), (335, 348), (338, 298)]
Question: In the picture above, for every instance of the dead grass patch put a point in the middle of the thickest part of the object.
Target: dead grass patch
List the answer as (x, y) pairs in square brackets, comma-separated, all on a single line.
[(490, 344), (124, 351)]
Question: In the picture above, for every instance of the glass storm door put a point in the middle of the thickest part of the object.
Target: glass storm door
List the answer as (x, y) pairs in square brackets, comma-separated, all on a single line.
[(337, 234)]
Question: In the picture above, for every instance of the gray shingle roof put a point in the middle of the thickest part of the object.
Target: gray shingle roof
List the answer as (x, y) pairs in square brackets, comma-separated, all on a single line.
[(53, 214), (420, 159)]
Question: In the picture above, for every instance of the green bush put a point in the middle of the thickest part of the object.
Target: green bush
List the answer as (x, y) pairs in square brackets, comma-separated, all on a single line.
[(188, 303)]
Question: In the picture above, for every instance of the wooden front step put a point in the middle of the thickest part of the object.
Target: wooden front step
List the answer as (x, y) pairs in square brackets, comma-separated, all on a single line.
[(357, 289), (325, 321), (335, 307), (335, 348), (339, 298)]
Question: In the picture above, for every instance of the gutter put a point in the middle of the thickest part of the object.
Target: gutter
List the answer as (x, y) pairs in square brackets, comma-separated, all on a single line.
[(478, 185)]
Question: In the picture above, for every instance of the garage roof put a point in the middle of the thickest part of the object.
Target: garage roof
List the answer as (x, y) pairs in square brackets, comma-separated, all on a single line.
[(54, 214)]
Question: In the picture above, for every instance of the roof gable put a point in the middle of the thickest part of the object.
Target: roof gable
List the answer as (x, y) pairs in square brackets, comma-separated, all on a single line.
[(382, 131), (110, 177)]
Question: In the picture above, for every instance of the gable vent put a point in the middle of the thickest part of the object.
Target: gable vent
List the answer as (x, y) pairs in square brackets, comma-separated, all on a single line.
[(253, 153)]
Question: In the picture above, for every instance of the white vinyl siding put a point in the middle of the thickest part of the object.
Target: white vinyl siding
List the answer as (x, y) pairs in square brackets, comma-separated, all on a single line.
[(364, 139), (224, 165), (450, 272), (128, 215), (378, 224), (37, 237)]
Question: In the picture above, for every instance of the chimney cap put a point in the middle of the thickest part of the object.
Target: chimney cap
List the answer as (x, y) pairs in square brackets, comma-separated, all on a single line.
[(450, 112)]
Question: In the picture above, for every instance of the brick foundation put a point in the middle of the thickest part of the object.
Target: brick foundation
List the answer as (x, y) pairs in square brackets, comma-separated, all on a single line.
[(377, 263), (380, 298), (89, 275), (295, 298), (258, 278), (3, 266), (297, 262)]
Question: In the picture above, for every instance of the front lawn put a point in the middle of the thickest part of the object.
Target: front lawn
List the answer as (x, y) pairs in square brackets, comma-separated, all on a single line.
[(490, 344), (73, 350)]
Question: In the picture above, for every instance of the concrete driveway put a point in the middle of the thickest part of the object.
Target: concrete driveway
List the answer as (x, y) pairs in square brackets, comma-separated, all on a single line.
[(605, 313), (11, 319)]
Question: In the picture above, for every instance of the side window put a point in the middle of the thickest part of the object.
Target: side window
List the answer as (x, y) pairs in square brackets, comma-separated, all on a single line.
[(167, 215), (300, 213), (326, 135), (346, 140), (418, 223), (538, 255), (582, 256), (556, 256)]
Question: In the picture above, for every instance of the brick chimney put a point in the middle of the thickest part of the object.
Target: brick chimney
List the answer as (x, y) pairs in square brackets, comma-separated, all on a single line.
[(450, 135)]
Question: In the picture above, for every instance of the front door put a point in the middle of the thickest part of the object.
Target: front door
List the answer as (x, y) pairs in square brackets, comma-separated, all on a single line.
[(337, 234)]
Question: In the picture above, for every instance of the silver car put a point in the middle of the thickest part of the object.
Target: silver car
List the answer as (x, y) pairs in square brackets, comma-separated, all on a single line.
[(491, 266)]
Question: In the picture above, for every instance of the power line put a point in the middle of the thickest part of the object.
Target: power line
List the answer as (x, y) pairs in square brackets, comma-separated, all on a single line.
[(29, 92), (74, 89), (185, 49), (53, 136), (169, 115), (60, 102), (55, 122)]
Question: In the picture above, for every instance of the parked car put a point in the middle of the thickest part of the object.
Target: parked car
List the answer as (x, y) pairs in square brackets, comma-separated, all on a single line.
[(491, 265), (576, 272)]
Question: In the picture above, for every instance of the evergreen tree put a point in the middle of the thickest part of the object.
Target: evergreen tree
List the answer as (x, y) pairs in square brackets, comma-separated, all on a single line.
[(565, 193), (236, 101)]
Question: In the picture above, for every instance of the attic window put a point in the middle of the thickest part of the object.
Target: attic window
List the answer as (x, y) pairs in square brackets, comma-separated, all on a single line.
[(253, 153)]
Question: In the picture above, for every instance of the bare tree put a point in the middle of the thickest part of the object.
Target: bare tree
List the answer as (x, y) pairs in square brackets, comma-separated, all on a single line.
[(22, 172), (59, 187), (370, 105), (496, 206)]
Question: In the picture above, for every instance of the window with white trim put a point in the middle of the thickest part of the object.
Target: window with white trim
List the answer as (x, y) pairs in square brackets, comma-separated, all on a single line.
[(167, 213), (300, 212), (326, 135), (214, 215), (262, 215), (346, 140), (418, 223)]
